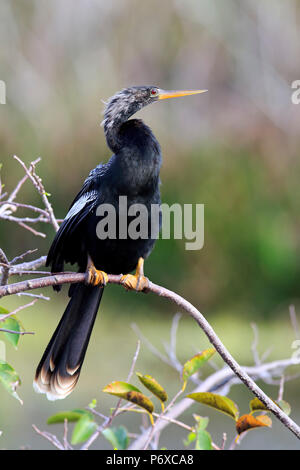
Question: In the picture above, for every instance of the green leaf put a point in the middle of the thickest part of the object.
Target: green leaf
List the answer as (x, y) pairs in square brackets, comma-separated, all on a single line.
[(129, 393), (119, 388), (118, 437), (93, 404), (151, 384), (190, 438), (12, 323), (203, 441), (218, 402), (285, 406), (83, 429), (193, 364), (10, 379), (71, 416), (257, 405), (202, 423)]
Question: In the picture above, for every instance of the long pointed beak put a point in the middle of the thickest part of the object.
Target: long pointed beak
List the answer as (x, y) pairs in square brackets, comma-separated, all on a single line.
[(163, 95)]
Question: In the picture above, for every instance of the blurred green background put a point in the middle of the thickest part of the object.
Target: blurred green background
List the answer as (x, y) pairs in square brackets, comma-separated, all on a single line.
[(234, 149)]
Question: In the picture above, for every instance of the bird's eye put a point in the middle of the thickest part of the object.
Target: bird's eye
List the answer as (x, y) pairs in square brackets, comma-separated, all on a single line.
[(154, 92)]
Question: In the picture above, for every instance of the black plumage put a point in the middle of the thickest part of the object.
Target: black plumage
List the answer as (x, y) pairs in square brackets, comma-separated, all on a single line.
[(133, 171)]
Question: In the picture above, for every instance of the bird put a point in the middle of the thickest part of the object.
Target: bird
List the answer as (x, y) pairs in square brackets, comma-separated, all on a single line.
[(132, 171)]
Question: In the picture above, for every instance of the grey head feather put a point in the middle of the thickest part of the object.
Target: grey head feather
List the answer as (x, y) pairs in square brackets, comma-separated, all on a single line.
[(125, 103)]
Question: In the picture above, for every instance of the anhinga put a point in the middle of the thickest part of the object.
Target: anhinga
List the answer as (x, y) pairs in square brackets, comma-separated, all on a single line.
[(133, 171)]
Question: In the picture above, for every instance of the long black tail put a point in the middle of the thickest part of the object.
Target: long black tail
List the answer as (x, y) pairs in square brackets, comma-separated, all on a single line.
[(59, 368)]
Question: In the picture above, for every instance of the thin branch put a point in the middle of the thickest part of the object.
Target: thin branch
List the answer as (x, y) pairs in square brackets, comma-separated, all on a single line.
[(50, 437), (66, 442), (22, 256), (153, 429), (26, 206), (14, 193), (4, 317), (30, 229), (149, 345), (37, 182), (109, 420), (36, 296), (4, 273), (171, 348), (4, 330), (27, 220), (135, 357), (281, 388), (294, 321), (29, 266), (254, 345)]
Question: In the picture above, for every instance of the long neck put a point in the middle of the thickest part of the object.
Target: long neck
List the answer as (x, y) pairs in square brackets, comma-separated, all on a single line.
[(111, 131), (116, 114), (138, 160)]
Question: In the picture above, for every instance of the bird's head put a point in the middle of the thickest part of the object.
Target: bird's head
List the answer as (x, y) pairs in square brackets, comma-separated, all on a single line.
[(127, 102)]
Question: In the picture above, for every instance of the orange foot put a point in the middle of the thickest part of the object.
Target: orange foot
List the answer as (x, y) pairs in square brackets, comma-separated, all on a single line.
[(95, 277), (138, 281)]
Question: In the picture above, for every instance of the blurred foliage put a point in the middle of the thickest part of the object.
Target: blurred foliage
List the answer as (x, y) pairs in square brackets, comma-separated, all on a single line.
[(235, 149), (58, 63)]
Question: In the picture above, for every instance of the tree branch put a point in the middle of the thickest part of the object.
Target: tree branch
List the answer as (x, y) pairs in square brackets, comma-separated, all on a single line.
[(64, 278)]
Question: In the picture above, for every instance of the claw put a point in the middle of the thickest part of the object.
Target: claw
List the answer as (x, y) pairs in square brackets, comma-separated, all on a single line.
[(137, 281), (96, 277)]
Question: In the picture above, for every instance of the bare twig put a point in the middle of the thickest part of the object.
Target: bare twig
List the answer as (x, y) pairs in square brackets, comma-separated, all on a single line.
[(27, 220), (30, 229), (36, 296), (37, 182), (109, 420), (29, 266), (135, 357), (22, 256), (4, 317), (294, 321), (154, 428), (149, 345), (254, 345), (50, 437), (26, 206), (171, 348), (4, 330), (224, 440), (66, 442), (281, 388), (4, 273)]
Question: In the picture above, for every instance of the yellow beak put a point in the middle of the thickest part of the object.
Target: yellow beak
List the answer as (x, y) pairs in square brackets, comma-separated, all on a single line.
[(163, 95)]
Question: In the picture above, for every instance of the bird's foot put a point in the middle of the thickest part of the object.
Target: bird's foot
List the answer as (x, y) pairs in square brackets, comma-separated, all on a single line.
[(137, 281), (95, 277)]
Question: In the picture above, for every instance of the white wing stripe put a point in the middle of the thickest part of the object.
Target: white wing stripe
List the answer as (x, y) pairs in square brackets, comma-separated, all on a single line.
[(82, 201)]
